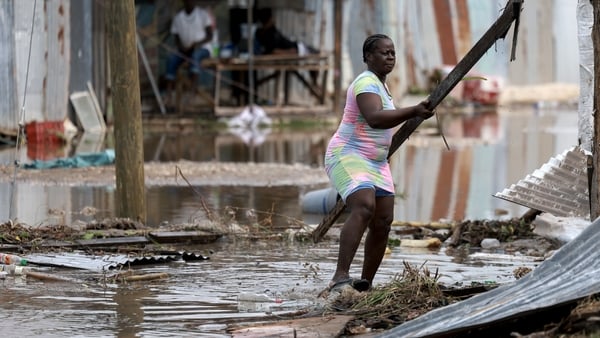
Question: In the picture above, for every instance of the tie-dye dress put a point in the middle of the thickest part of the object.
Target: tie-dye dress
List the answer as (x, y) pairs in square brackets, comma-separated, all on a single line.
[(356, 156)]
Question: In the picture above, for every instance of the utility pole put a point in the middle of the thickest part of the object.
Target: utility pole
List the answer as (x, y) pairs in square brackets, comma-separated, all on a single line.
[(125, 90)]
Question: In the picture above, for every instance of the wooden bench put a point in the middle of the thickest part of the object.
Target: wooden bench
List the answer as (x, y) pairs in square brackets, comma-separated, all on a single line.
[(278, 71)]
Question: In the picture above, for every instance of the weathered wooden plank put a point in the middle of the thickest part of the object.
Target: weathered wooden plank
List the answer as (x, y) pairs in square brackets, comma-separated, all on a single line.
[(496, 31), (183, 236), (113, 241), (329, 326)]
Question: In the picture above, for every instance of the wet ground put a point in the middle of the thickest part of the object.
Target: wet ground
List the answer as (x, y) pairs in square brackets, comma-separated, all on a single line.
[(201, 298)]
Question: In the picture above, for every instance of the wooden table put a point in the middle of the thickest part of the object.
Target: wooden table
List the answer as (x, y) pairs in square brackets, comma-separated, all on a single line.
[(276, 69)]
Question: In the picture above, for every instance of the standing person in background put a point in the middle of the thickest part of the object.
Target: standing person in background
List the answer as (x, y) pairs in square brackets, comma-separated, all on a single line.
[(192, 28), (357, 165)]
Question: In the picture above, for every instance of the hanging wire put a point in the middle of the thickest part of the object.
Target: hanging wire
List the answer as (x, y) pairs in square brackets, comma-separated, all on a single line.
[(21, 118)]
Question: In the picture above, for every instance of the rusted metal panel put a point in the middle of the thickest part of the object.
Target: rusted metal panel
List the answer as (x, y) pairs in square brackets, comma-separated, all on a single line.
[(432, 33), (463, 28), (36, 58), (559, 187), (445, 31)]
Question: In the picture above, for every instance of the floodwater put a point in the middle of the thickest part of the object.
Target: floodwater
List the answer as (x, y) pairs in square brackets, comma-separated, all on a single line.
[(488, 152)]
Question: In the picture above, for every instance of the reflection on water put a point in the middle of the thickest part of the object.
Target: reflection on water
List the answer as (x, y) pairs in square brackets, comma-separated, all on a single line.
[(285, 146), (488, 153), (200, 298)]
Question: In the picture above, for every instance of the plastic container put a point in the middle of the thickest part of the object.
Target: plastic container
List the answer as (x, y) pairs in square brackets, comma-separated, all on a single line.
[(319, 201), (42, 132), (9, 259), (14, 270)]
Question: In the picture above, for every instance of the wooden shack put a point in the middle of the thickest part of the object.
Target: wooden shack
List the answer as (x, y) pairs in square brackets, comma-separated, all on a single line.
[(281, 84)]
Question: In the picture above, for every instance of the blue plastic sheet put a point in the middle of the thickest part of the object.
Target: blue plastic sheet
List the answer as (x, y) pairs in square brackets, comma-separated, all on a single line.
[(82, 160)]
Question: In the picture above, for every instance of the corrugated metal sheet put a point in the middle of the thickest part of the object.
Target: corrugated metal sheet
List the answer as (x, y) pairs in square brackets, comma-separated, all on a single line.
[(37, 43), (545, 51), (8, 93), (570, 274), (56, 89), (103, 263), (31, 65), (559, 187), (585, 18)]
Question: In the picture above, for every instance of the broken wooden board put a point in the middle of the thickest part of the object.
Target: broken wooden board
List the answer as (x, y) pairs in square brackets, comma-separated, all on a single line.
[(498, 30), (430, 243), (201, 237), (329, 326), (113, 241)]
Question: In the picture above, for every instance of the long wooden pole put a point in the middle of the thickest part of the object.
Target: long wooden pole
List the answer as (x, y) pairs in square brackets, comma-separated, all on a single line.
[(496, 31), (129, 158), (337, 56), (595, 181)]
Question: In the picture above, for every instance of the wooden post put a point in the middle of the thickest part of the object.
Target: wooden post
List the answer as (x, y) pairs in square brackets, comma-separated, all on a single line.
[(129, 159), (337, 56), (594, 186)]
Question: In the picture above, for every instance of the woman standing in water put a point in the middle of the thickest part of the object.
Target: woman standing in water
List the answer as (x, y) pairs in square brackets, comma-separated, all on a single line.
[(357, 166)]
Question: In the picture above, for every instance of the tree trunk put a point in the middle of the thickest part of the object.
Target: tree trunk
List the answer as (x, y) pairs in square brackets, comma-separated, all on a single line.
[(129, 159)]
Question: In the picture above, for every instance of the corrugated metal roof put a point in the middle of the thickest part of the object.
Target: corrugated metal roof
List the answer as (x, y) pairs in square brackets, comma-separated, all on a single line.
[(559, 187), (80, 260), (570, 274)]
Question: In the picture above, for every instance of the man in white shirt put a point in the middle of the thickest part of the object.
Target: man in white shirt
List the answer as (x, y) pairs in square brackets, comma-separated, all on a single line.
[(192, 28)]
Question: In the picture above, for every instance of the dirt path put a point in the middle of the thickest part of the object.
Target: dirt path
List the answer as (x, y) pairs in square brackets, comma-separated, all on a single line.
[(170, 173)]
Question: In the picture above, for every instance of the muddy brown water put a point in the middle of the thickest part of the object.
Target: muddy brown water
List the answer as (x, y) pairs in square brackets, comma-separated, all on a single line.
[(242, 279)]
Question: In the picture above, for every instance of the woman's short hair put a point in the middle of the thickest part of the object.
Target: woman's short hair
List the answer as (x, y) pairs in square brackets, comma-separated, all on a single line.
[(369, 44)]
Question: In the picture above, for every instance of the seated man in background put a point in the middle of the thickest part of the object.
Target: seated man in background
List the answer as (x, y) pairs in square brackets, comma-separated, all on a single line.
[(271, 41), (193, 33)]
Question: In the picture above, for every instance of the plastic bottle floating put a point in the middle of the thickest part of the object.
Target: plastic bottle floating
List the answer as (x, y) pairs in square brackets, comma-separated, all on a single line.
[(8, 259)]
